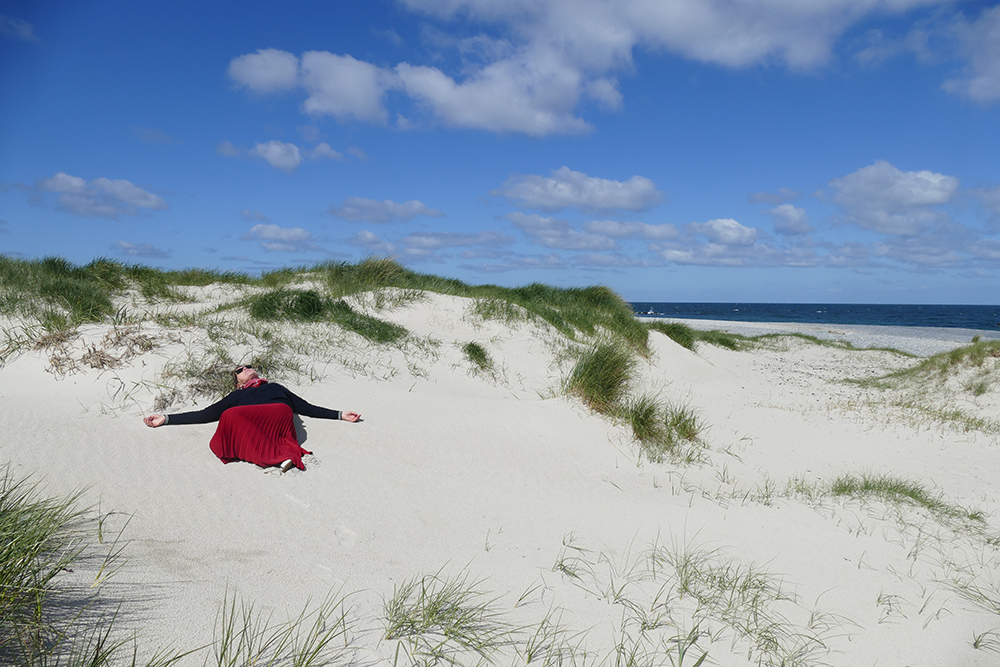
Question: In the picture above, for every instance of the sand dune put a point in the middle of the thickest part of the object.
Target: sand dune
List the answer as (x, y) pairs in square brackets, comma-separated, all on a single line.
[(500, 480)]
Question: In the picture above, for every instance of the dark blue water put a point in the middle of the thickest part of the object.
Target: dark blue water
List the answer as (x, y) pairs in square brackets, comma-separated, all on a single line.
[(895, 315)]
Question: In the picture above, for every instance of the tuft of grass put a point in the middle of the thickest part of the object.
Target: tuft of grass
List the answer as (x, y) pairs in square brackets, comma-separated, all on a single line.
[(601, 376), (372, 328), (663, 431), (40, 538), (678, 332), (317, 636), (309, 306), (439, 618), (901, 491), (478, 357)]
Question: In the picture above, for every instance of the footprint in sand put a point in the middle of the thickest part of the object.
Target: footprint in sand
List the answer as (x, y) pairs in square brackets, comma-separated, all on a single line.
[(345, 536)]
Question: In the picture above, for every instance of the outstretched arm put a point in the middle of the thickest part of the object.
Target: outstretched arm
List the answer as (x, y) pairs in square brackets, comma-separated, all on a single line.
[(303, 407), (209, 414)]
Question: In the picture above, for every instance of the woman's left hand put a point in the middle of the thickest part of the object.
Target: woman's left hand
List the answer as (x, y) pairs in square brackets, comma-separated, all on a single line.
[(350, 416)]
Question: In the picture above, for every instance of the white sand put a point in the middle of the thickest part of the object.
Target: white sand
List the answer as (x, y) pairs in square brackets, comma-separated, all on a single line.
[(457, 473)]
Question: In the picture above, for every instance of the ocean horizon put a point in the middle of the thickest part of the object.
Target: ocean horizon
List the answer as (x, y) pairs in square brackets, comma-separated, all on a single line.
[(897, 315)]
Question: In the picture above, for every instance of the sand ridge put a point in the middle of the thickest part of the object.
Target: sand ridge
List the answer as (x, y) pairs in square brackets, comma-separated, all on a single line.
[(504, 480)]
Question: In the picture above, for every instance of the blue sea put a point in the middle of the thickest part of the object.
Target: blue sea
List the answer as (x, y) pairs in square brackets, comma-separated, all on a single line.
[(895, 315)]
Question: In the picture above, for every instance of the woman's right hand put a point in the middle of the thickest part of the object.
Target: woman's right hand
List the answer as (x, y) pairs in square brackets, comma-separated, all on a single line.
[(153, 421)]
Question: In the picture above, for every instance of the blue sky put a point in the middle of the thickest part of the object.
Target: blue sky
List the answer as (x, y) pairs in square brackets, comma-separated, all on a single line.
[(675, 150)]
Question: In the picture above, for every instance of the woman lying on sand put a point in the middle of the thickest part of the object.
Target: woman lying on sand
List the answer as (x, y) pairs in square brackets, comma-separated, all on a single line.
[(255, 422)]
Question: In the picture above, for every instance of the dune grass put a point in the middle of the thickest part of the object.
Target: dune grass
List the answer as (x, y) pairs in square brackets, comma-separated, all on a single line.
[(601, 376), (478, 357), (61, 294), (438, 619), (309, 306), (690, 337), (891, 489), (47, 622), (663, 431)]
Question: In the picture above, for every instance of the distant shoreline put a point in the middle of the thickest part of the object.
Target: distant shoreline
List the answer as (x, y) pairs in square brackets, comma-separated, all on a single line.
[(922, 341)]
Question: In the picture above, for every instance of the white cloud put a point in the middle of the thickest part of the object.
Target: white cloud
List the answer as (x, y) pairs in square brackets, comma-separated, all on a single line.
[(884, 199), (360, 209), (18, 29), (372, 243), (344, 87), (266, 71), (568, 188), (323, 150), (557, 53), (139, 250), (533, 93), (725, 231), (438, 240), (101, 197), (554, 233), (790, 220), (251, 215), (274, 238), (624, 230), (227, 148), (280, 155), (979, 42)]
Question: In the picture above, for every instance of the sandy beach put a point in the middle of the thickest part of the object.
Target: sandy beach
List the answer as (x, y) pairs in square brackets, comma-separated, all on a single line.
[(545, 512)]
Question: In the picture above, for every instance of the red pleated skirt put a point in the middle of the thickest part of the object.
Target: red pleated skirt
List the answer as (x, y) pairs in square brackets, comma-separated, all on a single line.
[(261, 434)]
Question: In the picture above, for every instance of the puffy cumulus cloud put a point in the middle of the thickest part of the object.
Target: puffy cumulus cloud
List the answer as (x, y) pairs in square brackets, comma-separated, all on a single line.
[(884, 199), (568, 188), (323, 150), (101, 197), (557, 55), (280, 155), (626, 230), (335, 85), (554, 233), (790, 220), (344, 87), (372, 243), (979, 42), (360, 209), (147, 250), (18, 29), (725, 232), (274, 238), (266, 71), (533, 93), (599, 34)]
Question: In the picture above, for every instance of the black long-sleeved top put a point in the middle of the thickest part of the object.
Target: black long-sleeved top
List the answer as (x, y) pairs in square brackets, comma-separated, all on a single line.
[(269, 392)]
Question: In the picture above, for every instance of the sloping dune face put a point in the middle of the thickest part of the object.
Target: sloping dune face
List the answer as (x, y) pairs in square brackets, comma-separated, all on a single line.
[(794, 511)]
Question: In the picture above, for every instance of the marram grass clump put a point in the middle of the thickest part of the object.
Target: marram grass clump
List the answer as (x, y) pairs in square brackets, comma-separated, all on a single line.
[(601, 376), (478, 357), (309, 306), (662, 430)]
